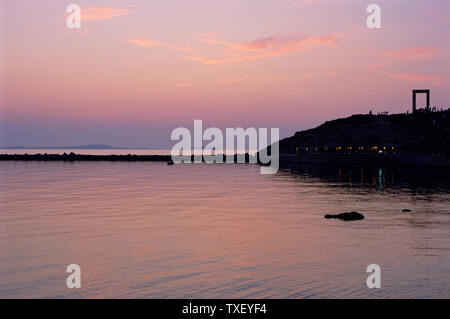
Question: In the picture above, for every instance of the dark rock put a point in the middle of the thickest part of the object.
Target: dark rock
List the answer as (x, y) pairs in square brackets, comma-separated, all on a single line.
[(406, 210), (347, 216)]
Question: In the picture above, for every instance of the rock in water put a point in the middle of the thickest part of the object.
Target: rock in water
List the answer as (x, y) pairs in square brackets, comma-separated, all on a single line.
[(347, 216), (406, 210)]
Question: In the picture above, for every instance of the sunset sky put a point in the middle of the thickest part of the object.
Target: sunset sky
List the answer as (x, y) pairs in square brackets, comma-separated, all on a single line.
[(138, 69)]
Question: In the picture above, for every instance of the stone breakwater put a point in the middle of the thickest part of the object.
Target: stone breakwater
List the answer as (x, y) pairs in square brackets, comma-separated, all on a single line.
[(82, 157), (72, 157)]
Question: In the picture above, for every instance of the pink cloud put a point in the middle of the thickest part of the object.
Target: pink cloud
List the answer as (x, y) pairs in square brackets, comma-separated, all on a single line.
[(145, 43), (281, 78), (437, 80), (151, 43), (421, 52), (303, 3), (376, 68), (273, 46), (181, 48), (102, 13)]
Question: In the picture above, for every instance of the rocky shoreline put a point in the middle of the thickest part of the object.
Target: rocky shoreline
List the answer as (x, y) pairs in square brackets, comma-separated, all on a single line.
[(397, 160), (393, 160)]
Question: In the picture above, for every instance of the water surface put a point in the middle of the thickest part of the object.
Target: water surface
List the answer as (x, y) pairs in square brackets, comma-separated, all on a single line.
[(149, 230)]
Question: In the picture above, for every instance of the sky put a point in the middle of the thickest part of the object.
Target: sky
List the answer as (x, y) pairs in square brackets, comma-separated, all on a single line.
[(138, 69)]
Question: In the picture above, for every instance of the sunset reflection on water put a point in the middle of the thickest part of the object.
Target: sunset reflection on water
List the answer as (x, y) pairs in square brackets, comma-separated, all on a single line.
[(150, 230)]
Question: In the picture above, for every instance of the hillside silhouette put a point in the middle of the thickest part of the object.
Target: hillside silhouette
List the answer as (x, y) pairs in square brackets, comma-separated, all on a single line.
[(421, 138)]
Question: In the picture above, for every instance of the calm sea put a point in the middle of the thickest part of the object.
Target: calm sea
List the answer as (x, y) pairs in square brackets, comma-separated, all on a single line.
[(149, 230)]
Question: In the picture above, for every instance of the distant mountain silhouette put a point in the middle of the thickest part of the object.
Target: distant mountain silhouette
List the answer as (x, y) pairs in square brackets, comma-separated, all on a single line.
[(76, 147)]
